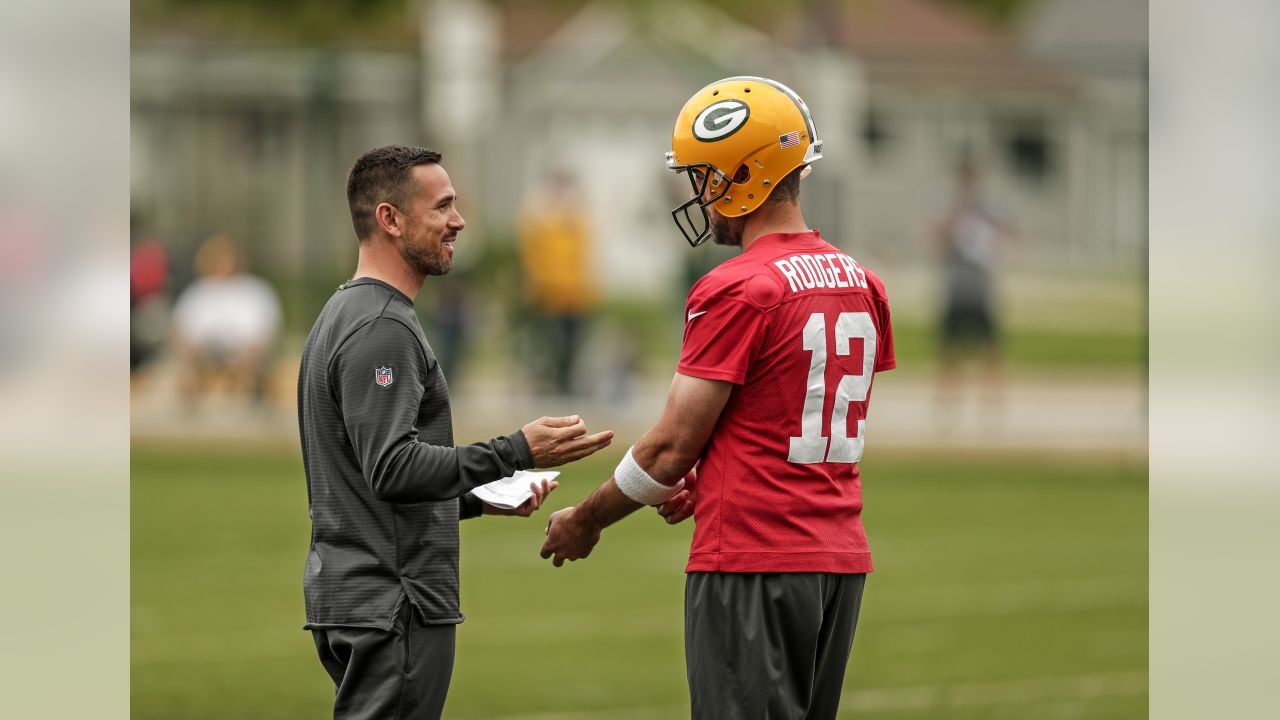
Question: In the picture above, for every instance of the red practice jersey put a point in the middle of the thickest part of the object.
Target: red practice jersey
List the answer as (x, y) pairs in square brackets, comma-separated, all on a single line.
[(800, 329)]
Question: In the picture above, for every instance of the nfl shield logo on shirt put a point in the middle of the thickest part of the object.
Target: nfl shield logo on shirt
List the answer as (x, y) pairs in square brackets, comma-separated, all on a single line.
[(382, 376)]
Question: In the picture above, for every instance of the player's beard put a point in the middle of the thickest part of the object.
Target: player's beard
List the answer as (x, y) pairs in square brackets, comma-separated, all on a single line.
[(429, 257), (726, 230)]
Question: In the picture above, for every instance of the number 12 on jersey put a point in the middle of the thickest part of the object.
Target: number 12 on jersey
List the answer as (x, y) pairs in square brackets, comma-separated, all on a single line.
[(812, 447)]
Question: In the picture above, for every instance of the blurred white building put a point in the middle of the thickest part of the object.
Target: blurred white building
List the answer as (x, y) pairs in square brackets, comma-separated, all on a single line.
[(1103, 45), (257, 142), (900, 90)]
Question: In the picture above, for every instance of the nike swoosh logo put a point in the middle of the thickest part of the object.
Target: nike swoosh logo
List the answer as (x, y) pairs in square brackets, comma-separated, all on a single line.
[(693, 315)]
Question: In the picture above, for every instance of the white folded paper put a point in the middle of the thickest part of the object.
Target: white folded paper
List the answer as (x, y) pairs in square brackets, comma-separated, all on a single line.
[(512, 491)]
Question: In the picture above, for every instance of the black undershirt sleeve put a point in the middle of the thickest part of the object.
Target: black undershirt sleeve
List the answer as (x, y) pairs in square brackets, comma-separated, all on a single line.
[(381, 423)]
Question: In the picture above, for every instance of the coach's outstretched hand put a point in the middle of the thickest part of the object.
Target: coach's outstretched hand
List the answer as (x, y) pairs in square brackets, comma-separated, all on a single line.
[(569, 537), (555, 441), (540, 492)]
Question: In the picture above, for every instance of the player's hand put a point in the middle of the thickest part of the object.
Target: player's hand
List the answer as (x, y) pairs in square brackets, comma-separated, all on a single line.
[(680, 506), (569, 537), (540, 492), (555, 441)]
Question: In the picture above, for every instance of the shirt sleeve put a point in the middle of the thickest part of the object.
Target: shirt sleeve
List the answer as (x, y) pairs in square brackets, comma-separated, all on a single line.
[(884, 346), (470, 507), (721, 338), (379, 379)]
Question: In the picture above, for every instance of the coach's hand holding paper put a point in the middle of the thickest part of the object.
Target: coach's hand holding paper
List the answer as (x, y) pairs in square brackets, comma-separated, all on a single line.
[(519, 494)]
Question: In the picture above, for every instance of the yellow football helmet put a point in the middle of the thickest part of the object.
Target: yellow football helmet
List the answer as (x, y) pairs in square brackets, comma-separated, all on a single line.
[(742, 135)]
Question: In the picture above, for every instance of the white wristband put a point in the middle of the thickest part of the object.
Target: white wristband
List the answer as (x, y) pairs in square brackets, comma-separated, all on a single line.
[(636, 484)]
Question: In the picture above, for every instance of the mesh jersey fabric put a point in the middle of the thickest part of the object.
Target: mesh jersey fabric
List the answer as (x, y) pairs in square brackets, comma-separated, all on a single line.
[(793, 322)]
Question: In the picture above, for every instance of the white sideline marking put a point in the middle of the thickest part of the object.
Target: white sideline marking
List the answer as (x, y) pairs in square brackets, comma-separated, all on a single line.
[(919, 697)]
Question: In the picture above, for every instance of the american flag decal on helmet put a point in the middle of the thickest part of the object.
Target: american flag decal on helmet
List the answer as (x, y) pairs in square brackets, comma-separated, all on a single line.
[(791, 139)]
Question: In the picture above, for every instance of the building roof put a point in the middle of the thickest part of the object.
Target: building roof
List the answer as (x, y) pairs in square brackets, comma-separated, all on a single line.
[(922, 41), (1097, 38), (526, 26), (907, 41)]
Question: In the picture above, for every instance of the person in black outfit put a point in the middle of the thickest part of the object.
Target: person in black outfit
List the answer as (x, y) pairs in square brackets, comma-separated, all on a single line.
[(386, 486)]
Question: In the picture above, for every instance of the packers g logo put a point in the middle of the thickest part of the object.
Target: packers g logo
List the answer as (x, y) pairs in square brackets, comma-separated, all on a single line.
[(720, 120)]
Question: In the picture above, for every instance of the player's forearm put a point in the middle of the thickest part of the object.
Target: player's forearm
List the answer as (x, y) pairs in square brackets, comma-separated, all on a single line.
[(668, 451), (666, 463), (606, 506)]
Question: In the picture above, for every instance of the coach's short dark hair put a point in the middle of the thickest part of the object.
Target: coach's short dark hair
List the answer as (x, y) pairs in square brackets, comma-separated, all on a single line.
[(382, 175), (788, 188)]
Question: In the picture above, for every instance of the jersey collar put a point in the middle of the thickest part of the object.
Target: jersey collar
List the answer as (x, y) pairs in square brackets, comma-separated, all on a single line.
[(797, 241)]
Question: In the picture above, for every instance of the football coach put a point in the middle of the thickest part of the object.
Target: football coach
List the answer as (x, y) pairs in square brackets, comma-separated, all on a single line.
[(385, 484)]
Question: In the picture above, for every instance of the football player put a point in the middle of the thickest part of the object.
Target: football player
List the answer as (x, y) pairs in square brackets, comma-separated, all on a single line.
[(770, 403)]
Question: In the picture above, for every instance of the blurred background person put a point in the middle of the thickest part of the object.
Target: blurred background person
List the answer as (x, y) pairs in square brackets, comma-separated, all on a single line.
[(23, 264), (225, 325), (453, 313), (970, 237), (148, 305), (555, 257)]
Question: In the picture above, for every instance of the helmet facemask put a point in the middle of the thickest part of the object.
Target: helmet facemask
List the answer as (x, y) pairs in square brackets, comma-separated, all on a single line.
[(700, 175)]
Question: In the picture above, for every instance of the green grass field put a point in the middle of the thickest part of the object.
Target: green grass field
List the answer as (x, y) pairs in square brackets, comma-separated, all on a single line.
[(1058, 352), (1008, 587)]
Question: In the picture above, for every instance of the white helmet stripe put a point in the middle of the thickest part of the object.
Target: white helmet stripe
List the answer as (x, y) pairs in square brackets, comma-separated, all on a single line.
[(804, 109)]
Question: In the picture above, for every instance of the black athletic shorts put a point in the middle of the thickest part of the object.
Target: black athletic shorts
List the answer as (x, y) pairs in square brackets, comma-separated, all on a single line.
[(969, 324), (768, 645)]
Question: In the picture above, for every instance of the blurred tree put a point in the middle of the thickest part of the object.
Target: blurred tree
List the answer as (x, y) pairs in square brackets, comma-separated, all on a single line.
[(1002, 12), (360, 23), (392, 23), (381, 23)]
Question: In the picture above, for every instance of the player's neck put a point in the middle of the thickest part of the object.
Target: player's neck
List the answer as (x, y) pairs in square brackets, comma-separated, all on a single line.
[(380, 260), (783, 217)]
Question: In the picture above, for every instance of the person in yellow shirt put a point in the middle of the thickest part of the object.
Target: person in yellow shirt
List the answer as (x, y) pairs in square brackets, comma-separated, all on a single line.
[(555, 256)]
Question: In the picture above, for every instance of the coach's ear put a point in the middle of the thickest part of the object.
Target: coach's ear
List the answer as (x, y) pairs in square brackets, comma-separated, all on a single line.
[(388, 219)]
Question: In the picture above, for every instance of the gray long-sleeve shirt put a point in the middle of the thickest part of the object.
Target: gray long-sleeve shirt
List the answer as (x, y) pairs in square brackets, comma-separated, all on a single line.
[(385, 484)]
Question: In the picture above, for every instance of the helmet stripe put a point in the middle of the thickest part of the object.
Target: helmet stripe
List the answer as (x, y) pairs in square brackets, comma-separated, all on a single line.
[(804, 109)]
